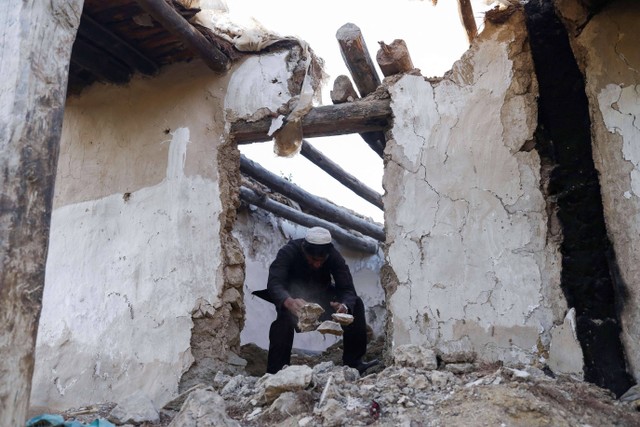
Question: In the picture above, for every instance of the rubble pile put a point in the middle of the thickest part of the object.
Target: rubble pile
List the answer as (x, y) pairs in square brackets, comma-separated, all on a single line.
[(419, 389)]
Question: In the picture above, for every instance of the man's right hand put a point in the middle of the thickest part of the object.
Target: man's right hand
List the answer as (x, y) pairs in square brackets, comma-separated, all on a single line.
[(294, 304)]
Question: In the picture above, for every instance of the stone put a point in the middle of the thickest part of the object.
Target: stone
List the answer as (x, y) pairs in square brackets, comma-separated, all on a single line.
[(459, 368), (459, 351), (291, 378), (342, 318), (308, 317), (329, 327), (204, 408), (415, 356), (137, 408), (176, 403)]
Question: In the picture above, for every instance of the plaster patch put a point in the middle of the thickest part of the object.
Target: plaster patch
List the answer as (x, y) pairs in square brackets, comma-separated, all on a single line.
[(260, 82), (620, 111)]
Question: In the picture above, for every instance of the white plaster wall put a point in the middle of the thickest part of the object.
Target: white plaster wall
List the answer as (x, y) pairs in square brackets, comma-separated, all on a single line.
[(262, 235), (134, 239), (607, 50), (465, 216)]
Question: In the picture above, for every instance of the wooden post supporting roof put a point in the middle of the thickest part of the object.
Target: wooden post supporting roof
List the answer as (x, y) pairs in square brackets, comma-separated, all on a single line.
[(173, 22), (342, 236), (34, 59), (323, 209)]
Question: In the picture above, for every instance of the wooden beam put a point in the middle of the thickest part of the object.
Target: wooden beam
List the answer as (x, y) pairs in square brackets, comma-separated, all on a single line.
[(359, 63), (357, 59), (105, 39), (465, 10), (173, 22), (342, 176), (105, 67), (341, 236), (394, 58), (322, 208), (326, 120), (343, 90), (37, 37)]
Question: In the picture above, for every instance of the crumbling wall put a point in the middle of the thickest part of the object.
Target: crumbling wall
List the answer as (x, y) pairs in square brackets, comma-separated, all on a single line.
[(472, 261), (138, 241), (261, 235), (606, 47)]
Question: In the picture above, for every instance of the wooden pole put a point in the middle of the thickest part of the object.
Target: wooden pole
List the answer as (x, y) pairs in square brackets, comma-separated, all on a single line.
[(394, 58), (34, 61), (321, 208), (465, 10), (342, 176), (173, 22), (358, 61), (340, 235), (326, 120)]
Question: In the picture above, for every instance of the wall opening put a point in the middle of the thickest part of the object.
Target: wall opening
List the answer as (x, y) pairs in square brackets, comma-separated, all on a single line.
[(589, 279)]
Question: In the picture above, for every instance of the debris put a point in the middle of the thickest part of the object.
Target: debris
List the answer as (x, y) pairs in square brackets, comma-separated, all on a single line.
[(308, 317), (342, 318), (329, 327)]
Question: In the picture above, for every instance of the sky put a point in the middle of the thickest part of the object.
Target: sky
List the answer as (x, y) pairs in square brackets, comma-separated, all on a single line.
[(434, 37)]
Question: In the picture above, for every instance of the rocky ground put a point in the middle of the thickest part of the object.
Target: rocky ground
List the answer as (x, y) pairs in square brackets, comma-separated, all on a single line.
[(420, 389)]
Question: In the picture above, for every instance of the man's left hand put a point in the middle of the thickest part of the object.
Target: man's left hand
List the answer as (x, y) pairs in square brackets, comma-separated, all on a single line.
[(339, 307)]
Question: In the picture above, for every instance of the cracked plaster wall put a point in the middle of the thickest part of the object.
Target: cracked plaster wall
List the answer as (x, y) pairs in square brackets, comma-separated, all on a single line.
[(606, 48), (135, 248), (144, 279), (261, 235), (469, 254)]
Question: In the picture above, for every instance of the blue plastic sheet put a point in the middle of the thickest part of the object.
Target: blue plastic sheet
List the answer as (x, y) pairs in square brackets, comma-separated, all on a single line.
[(49, 420)]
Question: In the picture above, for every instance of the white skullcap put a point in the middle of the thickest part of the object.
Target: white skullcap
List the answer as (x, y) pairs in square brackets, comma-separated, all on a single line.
[(318, 236)]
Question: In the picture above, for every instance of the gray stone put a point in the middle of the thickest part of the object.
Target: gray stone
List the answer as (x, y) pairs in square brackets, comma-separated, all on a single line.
[(176, 403), (291, 378), (308, 317), (460, 351), (329, 327), (204, 408), (459, 368), (137, 408), (415, 356)]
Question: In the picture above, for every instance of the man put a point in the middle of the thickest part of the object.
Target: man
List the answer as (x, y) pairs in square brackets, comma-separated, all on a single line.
[(312, 270)]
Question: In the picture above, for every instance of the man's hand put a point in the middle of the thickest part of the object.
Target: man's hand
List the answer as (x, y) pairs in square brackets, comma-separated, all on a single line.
[(294, 304), (339, 307)]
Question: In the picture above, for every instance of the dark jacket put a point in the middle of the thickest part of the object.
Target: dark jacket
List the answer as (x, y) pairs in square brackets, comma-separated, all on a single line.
[(291, 276)]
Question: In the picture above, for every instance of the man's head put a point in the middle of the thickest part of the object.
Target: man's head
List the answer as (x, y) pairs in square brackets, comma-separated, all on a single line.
[(316, 246)]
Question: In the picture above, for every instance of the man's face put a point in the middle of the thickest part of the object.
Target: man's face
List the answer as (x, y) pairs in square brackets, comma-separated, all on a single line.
[(315, 262)]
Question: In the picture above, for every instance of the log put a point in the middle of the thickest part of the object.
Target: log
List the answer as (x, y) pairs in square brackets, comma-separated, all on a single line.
[(394, 58), (37, 37), (465, 10), (107, 40), (340, 175), (341, 236), (343, 90), (104, 66), (357, 59), (173, 22), (326, 120), (322, 208)]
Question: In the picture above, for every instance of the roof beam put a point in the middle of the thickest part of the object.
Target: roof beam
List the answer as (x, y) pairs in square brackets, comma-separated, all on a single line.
[(173, 22), (322, 208), (342, 236), (107, 40), (326, 120), (340, 175)]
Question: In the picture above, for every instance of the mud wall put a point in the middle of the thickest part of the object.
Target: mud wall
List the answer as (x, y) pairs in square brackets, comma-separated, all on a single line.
[(261, 236), (606, 47), (135, 248), (472, 261)]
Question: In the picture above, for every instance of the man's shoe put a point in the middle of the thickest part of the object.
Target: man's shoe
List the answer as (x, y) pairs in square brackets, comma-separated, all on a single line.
[(362, 366)]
